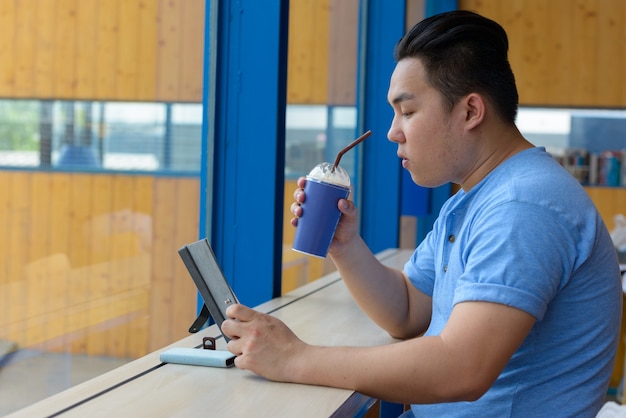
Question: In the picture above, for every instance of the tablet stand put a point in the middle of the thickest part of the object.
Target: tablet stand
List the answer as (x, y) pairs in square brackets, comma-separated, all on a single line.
[(202, 319)]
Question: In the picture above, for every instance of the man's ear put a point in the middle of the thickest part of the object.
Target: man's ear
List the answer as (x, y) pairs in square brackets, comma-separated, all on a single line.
[(475, 109)]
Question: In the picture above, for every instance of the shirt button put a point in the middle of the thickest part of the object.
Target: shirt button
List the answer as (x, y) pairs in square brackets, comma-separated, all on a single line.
[(451, 238), (445, 269)]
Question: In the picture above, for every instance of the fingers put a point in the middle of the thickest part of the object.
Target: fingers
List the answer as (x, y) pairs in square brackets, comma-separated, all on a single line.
[(240, 312), (242, 327), (296, 209), (298, 196), (346, 207), (234, 327)]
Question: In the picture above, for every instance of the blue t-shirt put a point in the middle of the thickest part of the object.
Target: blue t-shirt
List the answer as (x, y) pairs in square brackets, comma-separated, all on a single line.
[(528, 236)]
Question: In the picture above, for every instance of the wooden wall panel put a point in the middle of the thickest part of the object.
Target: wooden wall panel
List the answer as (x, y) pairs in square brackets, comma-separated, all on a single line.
[(584, 70), (192, 47), (559, 77), (81, 189), (530, 48), (564, 53), (127, 63), (135, 50), (307, 71), (100, 252), (162, 264), (611, 26), (65, 49), (17, 240), (45, 52), (610, 201), (148, 52), (183, 310), (342, 52), (142, 221), (86, 18), (152, 50), (39, 222), (90, 263), (7, 50), (24, 58), (123, 246), (170, 53), (107, 41), (18, 231)]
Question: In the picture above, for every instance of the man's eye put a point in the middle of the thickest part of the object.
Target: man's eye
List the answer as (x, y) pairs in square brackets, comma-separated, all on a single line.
[(406, 114)]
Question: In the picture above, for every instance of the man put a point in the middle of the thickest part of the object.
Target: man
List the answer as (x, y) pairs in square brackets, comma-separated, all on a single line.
[(516, 290)]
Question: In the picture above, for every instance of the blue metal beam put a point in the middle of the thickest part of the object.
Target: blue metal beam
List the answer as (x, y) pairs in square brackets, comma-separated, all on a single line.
[(243, 172), (382, 25)]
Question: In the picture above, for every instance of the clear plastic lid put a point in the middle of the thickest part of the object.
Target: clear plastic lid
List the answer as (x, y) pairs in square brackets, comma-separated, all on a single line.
[(324, 172)]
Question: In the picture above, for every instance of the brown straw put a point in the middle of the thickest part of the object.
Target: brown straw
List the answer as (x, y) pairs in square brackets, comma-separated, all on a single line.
[(349, 147)]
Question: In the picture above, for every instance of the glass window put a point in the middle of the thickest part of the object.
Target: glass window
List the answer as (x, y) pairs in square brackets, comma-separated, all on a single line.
[(100, 148), (588, 142), (95, 199), (321, 109), (109, 136)]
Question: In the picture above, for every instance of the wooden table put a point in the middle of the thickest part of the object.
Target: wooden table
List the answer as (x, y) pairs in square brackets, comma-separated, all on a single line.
[(321, 312)]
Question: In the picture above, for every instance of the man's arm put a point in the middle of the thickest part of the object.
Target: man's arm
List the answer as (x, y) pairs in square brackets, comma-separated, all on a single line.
[(385, 294), (460, 364)]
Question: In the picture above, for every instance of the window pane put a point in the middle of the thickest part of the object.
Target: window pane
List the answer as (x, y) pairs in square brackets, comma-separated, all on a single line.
[(588, 142), (321, 109), (95, 200), (99, 186)]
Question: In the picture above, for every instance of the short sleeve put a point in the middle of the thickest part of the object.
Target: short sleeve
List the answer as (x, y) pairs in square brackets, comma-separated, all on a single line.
[(517, 254)]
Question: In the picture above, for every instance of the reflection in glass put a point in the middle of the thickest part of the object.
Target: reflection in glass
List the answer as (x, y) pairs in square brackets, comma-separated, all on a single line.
[(109, 136), (590, 143)]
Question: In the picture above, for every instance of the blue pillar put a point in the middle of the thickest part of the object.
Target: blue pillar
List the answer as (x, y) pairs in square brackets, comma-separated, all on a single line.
[(382, 25), (244, 132)]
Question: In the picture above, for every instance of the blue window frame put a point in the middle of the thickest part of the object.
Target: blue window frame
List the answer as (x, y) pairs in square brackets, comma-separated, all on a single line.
[(244, 128)]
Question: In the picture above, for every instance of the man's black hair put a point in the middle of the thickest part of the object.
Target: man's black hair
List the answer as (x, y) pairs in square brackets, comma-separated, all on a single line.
[(462, 53)]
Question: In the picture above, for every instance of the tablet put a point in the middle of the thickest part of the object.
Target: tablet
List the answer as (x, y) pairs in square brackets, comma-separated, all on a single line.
[(209, 279)]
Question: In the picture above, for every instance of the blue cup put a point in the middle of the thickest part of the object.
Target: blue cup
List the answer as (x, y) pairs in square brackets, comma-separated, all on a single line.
[(320, 216)]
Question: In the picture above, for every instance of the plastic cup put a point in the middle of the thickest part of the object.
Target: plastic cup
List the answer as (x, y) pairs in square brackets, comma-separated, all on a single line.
[(320, 216)]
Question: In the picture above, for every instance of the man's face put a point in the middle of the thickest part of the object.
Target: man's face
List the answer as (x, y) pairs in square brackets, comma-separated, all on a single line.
[(422, 127)]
